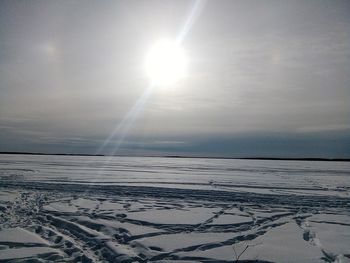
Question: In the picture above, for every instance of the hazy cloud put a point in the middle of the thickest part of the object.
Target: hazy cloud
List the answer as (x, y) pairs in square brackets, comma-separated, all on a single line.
[(71, 71)]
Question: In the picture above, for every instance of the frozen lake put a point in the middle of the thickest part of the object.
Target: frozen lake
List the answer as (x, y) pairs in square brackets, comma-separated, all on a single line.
[(138, 209), (309, 177)]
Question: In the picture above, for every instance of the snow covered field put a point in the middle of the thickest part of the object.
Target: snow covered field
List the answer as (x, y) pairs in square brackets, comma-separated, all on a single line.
[(128, 209)]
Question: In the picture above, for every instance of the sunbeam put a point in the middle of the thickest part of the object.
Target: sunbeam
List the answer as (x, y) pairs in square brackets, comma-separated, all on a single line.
[(122, 129), (191, 18)]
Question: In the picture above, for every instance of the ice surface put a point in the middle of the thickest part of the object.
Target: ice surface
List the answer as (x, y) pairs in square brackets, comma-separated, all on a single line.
[(281, 244), (328, 233), (28, 253), (123, 209), (60, 207), (174, 216), (231, 219), (19, 243), (182, 240), (329, 178), (8, 196), (20, 235)]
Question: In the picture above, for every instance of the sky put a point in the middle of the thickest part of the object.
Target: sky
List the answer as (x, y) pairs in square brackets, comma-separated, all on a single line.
[(264, 78)]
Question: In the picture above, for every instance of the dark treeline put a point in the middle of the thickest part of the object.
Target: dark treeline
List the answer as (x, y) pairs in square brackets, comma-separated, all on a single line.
[(182, 156)]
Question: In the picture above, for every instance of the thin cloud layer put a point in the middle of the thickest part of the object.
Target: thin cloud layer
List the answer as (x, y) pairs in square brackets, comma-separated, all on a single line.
[(71, 71)]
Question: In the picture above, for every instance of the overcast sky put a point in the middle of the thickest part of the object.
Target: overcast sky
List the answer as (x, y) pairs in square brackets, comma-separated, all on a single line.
[(264, 78)]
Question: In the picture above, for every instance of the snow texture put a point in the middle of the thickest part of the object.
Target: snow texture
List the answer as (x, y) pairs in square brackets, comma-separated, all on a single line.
[(128, 209)]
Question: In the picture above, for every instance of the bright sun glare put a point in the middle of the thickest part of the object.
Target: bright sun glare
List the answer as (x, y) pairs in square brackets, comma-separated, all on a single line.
[(165, 63)]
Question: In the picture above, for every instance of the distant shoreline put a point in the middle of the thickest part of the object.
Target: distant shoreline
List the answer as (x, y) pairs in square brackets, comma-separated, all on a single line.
[(184, 157)]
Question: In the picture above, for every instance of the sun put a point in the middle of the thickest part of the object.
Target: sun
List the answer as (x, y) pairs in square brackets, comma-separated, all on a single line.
[(165, 63)]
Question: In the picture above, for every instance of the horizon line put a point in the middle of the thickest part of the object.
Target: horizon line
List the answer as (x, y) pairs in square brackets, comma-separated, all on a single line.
[(189, 156)]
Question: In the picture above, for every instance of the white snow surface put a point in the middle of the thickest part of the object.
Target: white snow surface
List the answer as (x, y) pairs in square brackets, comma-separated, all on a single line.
[(143, 209)]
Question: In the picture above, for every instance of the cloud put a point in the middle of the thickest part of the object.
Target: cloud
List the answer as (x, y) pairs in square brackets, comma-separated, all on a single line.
[(74, 70)]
